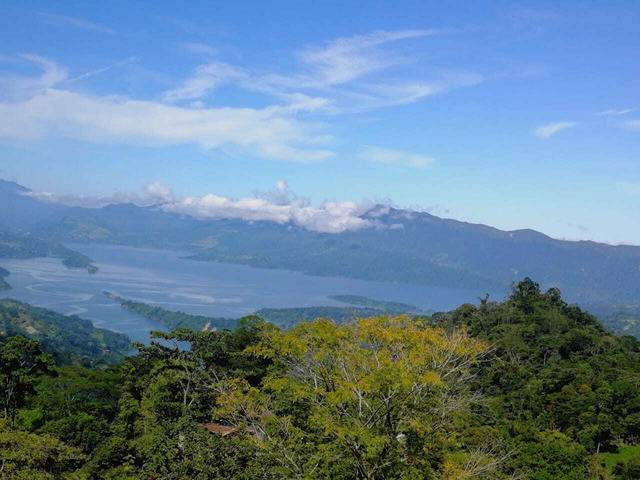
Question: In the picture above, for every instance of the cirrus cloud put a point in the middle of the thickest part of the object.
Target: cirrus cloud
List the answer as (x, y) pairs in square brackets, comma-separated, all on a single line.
[(550, 129)]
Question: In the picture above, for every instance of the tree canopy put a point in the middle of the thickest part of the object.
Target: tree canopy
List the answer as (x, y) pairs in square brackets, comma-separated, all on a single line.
[(528, 388)]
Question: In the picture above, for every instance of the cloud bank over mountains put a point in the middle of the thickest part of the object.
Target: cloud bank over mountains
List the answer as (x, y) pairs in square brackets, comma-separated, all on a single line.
[(277, 205)]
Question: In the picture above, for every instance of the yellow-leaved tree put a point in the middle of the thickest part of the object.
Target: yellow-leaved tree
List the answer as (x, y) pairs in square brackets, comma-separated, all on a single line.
[(374, 399)]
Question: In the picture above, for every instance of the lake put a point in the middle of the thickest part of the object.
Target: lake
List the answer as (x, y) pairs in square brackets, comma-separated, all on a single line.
[(165, 279)]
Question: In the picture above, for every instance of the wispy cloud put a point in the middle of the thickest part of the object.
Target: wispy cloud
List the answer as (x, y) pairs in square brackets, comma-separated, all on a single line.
[(551, 129), (153, 193), (74, 22), (204, 79), (616, 112), (18, 87), (346, 59), (65, 114), (342, 75), (386, 95), (98, 71), (39, 108), (394, 157)]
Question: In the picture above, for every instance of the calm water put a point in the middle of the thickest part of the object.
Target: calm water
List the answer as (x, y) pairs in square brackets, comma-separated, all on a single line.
[(163, 278)]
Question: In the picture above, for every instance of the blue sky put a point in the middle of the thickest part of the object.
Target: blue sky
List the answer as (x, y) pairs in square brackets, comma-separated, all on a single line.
[(511, 114)]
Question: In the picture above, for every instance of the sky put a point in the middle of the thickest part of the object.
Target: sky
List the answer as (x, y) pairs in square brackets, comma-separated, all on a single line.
[(512, 114)]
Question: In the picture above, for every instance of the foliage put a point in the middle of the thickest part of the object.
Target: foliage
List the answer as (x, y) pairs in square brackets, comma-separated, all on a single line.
[(171, 319), (21, 362), (384, 306), (530, 388), (289, 317), (68, 338), (282, 317), (26, 456), (622, 462), (77, 405), (373, 399), (554, 368)]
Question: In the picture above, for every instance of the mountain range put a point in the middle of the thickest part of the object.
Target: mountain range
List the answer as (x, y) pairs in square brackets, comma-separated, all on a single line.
[(404, 246)]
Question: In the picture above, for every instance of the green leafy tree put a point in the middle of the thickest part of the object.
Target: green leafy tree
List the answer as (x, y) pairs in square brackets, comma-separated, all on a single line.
[(35, 457), (21, 362)]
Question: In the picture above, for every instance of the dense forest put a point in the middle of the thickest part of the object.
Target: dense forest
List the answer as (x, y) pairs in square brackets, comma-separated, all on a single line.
[(281, 317), (66, 338), (530, 388), (289, 317), (383, 305), (172, 319)]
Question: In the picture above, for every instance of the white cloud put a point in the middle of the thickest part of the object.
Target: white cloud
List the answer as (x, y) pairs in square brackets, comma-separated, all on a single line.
[(204, 79), (65, 21), (616, 112), (386, 95), (328, 82), (336, 69), (277, 205), (328, 68), (330, 217), (159, 192), (345, 59), (66, 114), (550, 129), (39, 108), (19, 87), (394, 157), (153, 193)]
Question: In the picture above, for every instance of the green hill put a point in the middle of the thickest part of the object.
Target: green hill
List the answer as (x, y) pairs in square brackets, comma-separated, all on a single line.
[(172, 319), (68, 338), (26, 246)]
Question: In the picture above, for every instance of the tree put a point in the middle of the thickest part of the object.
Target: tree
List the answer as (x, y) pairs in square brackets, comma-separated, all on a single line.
[(21, 362), (36, 457), (373, 399)]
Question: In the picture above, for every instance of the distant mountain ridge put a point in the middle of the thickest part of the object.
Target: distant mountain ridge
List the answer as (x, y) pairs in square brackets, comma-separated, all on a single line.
[(406, 246)]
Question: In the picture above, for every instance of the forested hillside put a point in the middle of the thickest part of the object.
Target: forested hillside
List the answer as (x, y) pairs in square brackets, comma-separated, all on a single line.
[(171, 319), (529, 388), (25, 246), (281, 317), (68, 338)]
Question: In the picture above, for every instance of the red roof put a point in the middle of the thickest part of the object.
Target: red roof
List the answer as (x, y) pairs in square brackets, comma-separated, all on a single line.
[(219, 429)]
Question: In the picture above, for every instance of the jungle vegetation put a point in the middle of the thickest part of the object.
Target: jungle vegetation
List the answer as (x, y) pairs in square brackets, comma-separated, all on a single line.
[(528, 388)]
